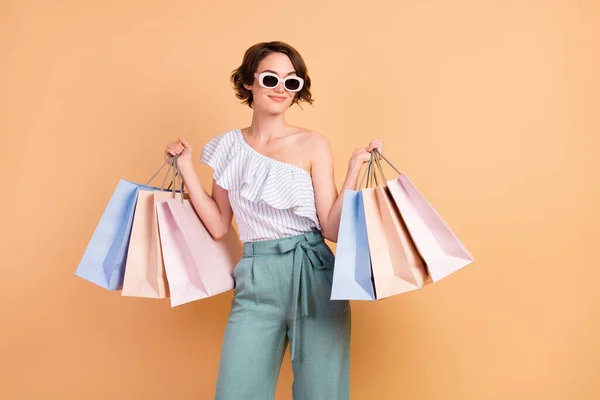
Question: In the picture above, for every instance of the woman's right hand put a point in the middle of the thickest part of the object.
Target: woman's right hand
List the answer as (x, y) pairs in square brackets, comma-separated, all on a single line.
[(179, 148)]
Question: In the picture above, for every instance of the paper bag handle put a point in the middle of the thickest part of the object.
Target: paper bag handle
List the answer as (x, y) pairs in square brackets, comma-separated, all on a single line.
[(176, 177), (378, 163), (388, 161), (366, 173), (370, 172), (164, 180)]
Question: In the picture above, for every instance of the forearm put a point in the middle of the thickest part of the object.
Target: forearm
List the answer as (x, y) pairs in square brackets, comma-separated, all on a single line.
[(332, 225), (204, 205)]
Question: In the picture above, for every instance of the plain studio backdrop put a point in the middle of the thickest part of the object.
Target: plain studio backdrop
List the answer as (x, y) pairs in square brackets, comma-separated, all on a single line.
[(490, 107)]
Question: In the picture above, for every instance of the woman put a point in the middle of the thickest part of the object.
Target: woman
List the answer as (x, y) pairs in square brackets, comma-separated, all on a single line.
[(278, 181)]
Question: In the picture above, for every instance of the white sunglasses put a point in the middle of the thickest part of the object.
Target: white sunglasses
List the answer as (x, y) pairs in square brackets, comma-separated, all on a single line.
[(269, 80)]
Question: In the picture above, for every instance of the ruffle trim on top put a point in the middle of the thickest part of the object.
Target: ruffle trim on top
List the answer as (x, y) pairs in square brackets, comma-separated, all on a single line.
[(258, 178)]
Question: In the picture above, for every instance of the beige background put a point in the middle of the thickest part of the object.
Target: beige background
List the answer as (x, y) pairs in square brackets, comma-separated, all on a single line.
[(490, 107)]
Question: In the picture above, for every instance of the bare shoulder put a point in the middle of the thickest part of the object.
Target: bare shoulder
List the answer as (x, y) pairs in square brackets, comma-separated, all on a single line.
[(312, 140)]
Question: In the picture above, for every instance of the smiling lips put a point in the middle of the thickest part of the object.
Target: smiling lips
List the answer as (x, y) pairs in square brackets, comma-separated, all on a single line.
[(277, 98)]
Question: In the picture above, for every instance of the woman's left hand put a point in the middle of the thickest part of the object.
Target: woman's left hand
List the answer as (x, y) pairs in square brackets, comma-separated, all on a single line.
[(363, 154)]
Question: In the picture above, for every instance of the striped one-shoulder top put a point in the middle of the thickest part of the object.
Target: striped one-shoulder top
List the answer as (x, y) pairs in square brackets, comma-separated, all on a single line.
[(270, 199)]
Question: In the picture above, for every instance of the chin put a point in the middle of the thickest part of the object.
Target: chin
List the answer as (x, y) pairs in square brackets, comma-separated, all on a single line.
[(280, 109), (275, 109)]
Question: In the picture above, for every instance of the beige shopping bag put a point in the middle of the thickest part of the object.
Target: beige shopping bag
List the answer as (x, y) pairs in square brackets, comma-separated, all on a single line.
[(144, 269), (396, 264)]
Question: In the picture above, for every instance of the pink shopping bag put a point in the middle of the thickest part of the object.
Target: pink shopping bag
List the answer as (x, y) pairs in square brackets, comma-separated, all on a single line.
[(197, 266), (439, 247)]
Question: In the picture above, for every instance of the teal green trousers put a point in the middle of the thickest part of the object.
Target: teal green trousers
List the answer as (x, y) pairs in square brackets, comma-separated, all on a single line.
[(282, 296)]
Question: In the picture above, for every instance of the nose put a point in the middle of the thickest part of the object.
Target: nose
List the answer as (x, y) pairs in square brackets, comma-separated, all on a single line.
[(279, 88)]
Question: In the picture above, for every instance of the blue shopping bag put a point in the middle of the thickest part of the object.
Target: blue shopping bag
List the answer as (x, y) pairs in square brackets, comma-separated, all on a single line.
[(103, 261), (352, 277)]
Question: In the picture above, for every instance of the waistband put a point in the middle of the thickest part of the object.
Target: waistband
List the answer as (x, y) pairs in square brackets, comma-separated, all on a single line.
[(281, 246)]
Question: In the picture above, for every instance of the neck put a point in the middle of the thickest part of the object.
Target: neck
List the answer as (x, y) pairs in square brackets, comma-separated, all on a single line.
[(267, 126)]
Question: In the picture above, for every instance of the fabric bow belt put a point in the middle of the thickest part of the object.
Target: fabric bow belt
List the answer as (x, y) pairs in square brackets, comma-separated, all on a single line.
[(305, 256)]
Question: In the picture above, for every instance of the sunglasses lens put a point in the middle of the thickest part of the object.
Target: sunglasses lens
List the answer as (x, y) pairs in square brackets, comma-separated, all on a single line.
[(270, 81), (292, 84)]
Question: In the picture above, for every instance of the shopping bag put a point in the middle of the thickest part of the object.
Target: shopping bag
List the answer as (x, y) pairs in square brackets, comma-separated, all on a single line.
[(352, 279), (404, 254), (441, 250), (397, 266), (197, 266), (183, 278), (103, 261), (144, 270)]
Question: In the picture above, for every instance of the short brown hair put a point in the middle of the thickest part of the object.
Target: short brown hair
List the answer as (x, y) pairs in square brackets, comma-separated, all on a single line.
[(244, 74)]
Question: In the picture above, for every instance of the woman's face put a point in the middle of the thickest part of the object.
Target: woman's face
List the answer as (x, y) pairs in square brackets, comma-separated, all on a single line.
[(273, 100)]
